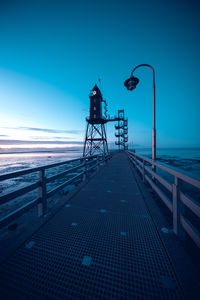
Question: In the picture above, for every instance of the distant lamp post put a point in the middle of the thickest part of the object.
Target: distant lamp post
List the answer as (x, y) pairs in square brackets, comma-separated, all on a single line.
[(131, 84)]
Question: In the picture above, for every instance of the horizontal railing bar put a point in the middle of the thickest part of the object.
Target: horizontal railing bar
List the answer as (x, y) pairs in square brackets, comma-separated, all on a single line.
[(139, 162), (132, 160), (17, 213), (191, 230), (160, 179), (49, 194), (62, 163), (135, 163), (92, 167), (90, 163), (191, 204), (49, 179), (139, 169), (32, 170), (160, 193), (20, 192), (184, 177), (19, 173)]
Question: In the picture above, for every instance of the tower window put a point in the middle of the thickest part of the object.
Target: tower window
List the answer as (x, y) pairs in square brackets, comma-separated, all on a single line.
[(95, 108), (94, 116)]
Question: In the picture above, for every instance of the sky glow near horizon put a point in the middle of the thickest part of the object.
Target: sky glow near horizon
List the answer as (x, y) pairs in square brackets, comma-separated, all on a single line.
[(32, 146), (53, 52)]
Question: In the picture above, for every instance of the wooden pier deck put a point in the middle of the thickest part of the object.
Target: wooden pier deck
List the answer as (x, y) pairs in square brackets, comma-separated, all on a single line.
[(103, 244)]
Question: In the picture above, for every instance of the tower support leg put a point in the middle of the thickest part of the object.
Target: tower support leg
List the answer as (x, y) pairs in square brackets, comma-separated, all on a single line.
[(95, 140)]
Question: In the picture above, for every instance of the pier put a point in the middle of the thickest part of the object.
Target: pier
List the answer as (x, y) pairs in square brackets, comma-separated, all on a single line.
[(107, 241)]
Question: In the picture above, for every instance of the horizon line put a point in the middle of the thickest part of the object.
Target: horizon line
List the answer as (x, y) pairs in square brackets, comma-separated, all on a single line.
[(15, 143)]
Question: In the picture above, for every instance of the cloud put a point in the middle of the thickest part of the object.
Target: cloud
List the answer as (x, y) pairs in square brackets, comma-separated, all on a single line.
[(56, 138), (4, 135), (19, 142), (49, 130)]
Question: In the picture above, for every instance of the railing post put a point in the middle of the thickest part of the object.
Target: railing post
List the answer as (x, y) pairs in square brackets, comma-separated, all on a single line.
[(42, 194), (134, 160), (177, 209), (84, 169), (153, 167), (98, 163), (143, 170)]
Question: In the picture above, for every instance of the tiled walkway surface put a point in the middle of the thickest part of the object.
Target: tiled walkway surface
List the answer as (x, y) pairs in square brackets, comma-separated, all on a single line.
[(101, 245)]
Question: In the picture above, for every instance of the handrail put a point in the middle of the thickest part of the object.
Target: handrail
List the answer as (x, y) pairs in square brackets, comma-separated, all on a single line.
[(54, 177), (61, 186), (182, 176), (191, 204), (18, 212), (179, 199), (32, 170), (86, 164), (164, 182), (10, 196)]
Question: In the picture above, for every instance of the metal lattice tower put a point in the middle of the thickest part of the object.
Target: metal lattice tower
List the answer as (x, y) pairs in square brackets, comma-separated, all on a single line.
[(95, 139), (122, 129)]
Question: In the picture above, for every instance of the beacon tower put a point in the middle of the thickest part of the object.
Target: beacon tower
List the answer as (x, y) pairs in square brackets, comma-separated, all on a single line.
[(95, 138)]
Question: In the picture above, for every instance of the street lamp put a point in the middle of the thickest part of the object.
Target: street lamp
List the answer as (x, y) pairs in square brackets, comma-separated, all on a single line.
[(131, 84)]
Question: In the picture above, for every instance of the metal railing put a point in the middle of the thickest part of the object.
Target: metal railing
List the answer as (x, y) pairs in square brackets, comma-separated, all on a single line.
[(179, 199), (86, 164)]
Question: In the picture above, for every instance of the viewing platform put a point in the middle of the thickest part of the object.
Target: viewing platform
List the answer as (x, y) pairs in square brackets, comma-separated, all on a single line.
[(109, 240)]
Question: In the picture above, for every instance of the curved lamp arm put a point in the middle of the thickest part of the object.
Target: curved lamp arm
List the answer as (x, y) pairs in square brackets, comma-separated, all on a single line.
[(144, 65), (149, 66), (154, 110)]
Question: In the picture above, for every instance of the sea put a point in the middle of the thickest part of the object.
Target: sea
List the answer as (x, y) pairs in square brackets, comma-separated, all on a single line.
[(10, 162), (185, 160)]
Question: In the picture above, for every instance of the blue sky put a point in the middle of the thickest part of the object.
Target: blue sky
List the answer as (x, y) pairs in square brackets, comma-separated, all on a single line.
[(53, 52)]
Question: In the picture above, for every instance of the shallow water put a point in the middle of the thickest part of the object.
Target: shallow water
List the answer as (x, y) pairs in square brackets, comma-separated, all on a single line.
[(187, 160), (14, 162), (184, 159)]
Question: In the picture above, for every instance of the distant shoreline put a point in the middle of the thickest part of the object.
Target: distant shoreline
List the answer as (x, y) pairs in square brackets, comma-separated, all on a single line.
[(81, 149), (41, 151)]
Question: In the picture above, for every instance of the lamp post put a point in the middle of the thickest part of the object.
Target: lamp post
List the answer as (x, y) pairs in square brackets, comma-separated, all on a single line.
[(131, 84)]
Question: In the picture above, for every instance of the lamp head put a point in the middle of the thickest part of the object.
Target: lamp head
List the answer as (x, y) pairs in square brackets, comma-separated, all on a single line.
[(131, 83)]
